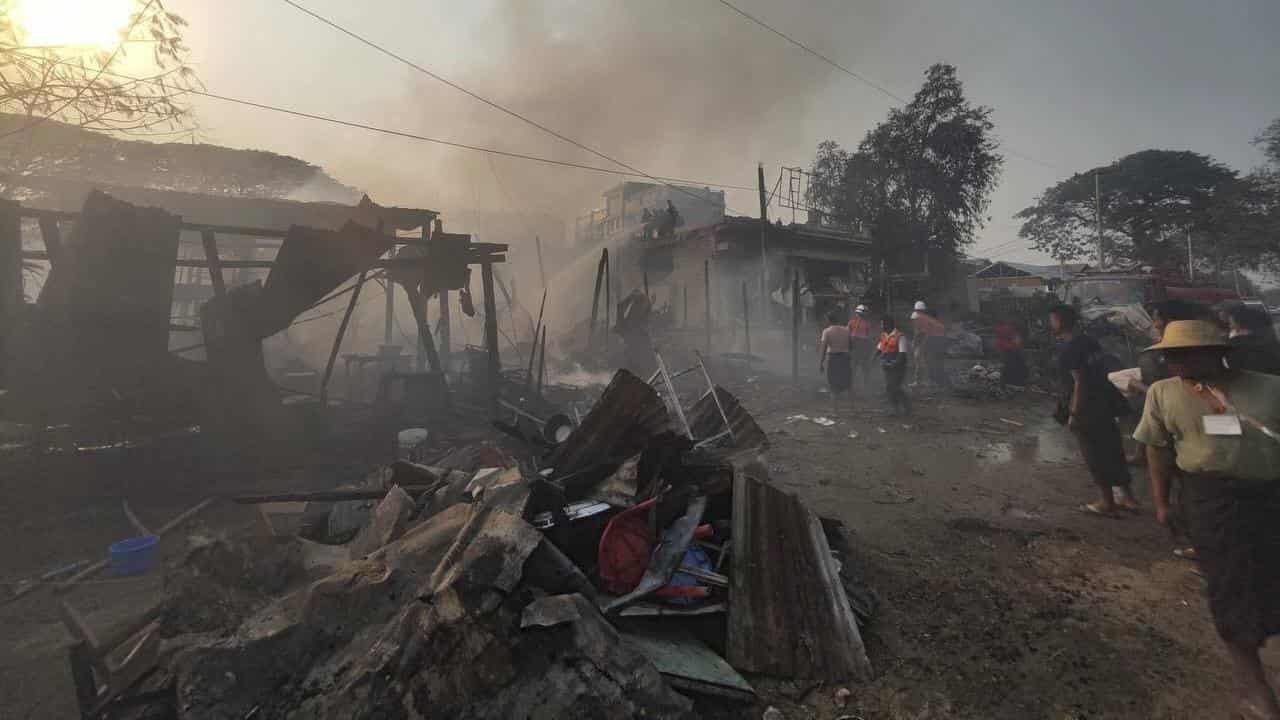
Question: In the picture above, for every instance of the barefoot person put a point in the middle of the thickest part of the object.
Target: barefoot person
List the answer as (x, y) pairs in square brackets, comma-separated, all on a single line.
[(833, 356), (1089, 403), (1221, 428)]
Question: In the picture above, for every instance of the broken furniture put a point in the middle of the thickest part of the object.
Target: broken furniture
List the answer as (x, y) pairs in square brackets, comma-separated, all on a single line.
[(110, 670)]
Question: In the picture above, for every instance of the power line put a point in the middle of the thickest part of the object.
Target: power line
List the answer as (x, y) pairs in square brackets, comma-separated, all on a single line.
[(84, 88), (864, 80), (413, 136), (860, 78), (502, 108)]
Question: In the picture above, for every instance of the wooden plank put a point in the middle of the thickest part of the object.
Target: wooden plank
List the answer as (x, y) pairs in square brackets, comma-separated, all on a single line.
[(210, 242), (337, 340), (330, 495)]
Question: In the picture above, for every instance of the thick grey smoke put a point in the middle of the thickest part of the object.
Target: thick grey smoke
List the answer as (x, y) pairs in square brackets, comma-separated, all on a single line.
[(674, 88)]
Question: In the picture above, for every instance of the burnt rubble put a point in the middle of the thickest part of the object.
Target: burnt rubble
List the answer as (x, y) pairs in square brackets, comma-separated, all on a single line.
[(619, 574)]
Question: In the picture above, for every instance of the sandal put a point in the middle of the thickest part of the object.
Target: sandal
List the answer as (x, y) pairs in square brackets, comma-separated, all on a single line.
[(1129, 506), (1094, 509), (1186, 553)]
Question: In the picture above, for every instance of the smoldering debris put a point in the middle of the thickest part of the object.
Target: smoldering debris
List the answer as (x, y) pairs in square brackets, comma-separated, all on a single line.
[(492, 591)]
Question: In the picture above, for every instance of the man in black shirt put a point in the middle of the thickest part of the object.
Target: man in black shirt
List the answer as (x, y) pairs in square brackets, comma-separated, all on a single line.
[(1090, 404)]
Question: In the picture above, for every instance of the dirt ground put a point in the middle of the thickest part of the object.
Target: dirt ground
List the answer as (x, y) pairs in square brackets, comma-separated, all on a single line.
[(998, 598)]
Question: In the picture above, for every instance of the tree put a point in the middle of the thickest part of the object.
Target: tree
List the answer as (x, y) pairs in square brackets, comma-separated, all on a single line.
[(827, 192), (920, 181), (1149, 201), (82, 86), (1269, 141)]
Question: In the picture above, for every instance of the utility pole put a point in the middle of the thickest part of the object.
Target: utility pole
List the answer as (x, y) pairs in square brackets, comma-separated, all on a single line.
[(764, 231), (1097, 212)]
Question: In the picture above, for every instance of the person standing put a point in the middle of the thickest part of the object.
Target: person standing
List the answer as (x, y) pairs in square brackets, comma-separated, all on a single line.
[(931, 344), (1220, 427), (1152, 370), (893, 350), (1088, 406), (1013, 363), (833, 356), (863, 347), (1253, 341)]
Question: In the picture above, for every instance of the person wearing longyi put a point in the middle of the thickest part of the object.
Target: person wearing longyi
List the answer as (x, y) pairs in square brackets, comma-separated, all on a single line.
[(1218, 426)]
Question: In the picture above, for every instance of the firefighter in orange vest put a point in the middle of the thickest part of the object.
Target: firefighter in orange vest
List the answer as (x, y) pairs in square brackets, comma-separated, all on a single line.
[(894, 349), (862, 349)]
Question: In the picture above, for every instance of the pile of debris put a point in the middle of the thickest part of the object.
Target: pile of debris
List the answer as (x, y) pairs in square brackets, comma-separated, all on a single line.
[(982, 382), (630, 570)]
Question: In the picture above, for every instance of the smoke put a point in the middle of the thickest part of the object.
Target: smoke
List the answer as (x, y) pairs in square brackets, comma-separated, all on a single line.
[(673, 88), (688, 90)]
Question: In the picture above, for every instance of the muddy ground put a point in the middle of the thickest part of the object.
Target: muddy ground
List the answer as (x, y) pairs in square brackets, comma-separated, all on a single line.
[(999, 599)]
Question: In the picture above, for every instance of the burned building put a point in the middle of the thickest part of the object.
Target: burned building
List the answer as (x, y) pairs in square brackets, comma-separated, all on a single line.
[(632, 208), (727, 258)]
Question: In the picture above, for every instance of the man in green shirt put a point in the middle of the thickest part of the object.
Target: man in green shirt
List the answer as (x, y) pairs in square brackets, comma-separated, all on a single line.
[(1219, 427)]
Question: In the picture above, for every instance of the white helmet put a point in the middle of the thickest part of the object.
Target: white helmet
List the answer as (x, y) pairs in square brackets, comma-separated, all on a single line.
[(920, 305), (860, 309)]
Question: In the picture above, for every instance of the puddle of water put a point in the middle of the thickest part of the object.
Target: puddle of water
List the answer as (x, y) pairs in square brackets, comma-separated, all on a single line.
[(1051, 444)]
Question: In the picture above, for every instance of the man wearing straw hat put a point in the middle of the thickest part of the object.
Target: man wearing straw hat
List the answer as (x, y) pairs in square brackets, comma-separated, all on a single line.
[(1219, 426)]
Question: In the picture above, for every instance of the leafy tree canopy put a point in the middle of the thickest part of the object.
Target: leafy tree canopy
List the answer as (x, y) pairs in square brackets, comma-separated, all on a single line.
[(1149, 201), (920, 181)]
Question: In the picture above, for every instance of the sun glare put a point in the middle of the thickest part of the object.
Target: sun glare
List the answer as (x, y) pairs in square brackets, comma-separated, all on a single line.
[(88, 23)]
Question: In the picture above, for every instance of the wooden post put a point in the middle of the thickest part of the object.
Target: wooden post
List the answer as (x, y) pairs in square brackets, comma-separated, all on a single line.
[(608, 300), (446, 314), (764, 231), (685, 324), (210, 242), (795, 326), (746, 316), (52, 236), (418, 303), (446, 339), (533, 351), (542, 361), (595, 298), (491, 336), (337, 341), (706, 290), (389, 316), (542, 274), (646, 284), (510, 296), (11, 290)]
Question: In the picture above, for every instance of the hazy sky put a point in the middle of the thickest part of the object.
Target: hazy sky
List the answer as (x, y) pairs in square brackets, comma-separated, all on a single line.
[(688, 88)]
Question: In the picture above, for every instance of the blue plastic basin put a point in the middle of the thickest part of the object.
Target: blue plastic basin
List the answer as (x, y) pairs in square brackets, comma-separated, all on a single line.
[(134, 556)]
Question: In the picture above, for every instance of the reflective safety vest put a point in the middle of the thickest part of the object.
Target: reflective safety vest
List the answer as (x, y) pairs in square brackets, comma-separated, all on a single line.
[(888, 344), (860, 327)]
